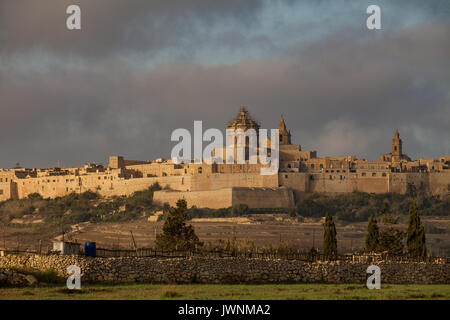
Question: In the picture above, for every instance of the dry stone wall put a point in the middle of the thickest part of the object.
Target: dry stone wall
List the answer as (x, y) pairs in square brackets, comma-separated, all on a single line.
[(228, 270)]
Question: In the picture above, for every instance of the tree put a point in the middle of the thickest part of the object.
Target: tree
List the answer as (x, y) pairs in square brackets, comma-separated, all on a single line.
[(386, 217), (416, 234), (176, 234), (329, 237), (373, 235), (390, 238)]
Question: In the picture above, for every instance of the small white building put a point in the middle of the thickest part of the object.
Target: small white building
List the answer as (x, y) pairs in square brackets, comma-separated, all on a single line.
[(65, 247)]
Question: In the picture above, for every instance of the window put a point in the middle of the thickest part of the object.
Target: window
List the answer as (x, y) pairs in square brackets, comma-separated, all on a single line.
[(286, 176), (200, 170), (1, 191), (312, 166), (374, 174), (331, 177), (363, 174), (321, 166), (384, 174)]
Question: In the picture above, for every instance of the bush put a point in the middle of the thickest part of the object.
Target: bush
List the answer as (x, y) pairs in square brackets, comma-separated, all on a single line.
[(34, 196), (358, 206), (238, 210), (48, 276)]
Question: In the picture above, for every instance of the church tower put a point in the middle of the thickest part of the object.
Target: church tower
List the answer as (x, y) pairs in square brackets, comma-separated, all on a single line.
[(397, 151), (285, 135), (244, 122)]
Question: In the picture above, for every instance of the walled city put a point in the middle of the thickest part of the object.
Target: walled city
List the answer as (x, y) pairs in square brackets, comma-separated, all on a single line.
[(223, 185)]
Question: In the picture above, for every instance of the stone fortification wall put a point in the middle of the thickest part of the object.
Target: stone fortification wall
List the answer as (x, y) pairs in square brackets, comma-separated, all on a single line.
[(227, 197), (264, 197), (213, 199), (371, 182)]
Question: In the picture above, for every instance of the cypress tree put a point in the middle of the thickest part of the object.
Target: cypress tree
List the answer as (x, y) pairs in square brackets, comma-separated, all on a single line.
[(390, 239), (416, 234), (372, 238), (329, 237)]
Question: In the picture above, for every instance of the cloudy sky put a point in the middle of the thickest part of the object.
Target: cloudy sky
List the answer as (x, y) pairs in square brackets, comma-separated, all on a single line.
[(139, 69)]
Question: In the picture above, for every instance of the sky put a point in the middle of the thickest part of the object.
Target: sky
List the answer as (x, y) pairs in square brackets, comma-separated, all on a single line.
[(139, 69)]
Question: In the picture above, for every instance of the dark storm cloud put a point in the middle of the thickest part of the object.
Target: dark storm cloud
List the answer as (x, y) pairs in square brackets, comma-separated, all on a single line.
[(113, 26), (74, 98)]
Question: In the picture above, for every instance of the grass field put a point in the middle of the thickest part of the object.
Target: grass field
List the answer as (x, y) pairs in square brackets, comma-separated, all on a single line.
[(231, 292)]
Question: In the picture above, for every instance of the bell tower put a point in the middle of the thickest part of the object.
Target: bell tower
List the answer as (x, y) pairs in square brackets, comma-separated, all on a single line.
[(397, 151), (285, 135)]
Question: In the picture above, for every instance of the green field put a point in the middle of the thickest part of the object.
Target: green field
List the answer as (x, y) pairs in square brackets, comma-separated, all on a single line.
[(231, 292)]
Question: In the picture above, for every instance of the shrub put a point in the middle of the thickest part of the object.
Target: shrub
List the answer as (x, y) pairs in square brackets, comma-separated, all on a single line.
[(34, 196)]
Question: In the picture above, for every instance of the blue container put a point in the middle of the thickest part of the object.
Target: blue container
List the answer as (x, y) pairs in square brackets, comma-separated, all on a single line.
[(90, 249)]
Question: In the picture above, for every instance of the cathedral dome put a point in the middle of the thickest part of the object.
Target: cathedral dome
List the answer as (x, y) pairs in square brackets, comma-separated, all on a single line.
[(243, 121)]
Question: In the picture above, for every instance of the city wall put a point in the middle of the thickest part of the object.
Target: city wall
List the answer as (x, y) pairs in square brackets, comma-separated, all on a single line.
[(228, 180), (300, 182), (7, 190), (264, 197), (223, 198), (440, 183), (213, 199), (105, 185), (228, 270)]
